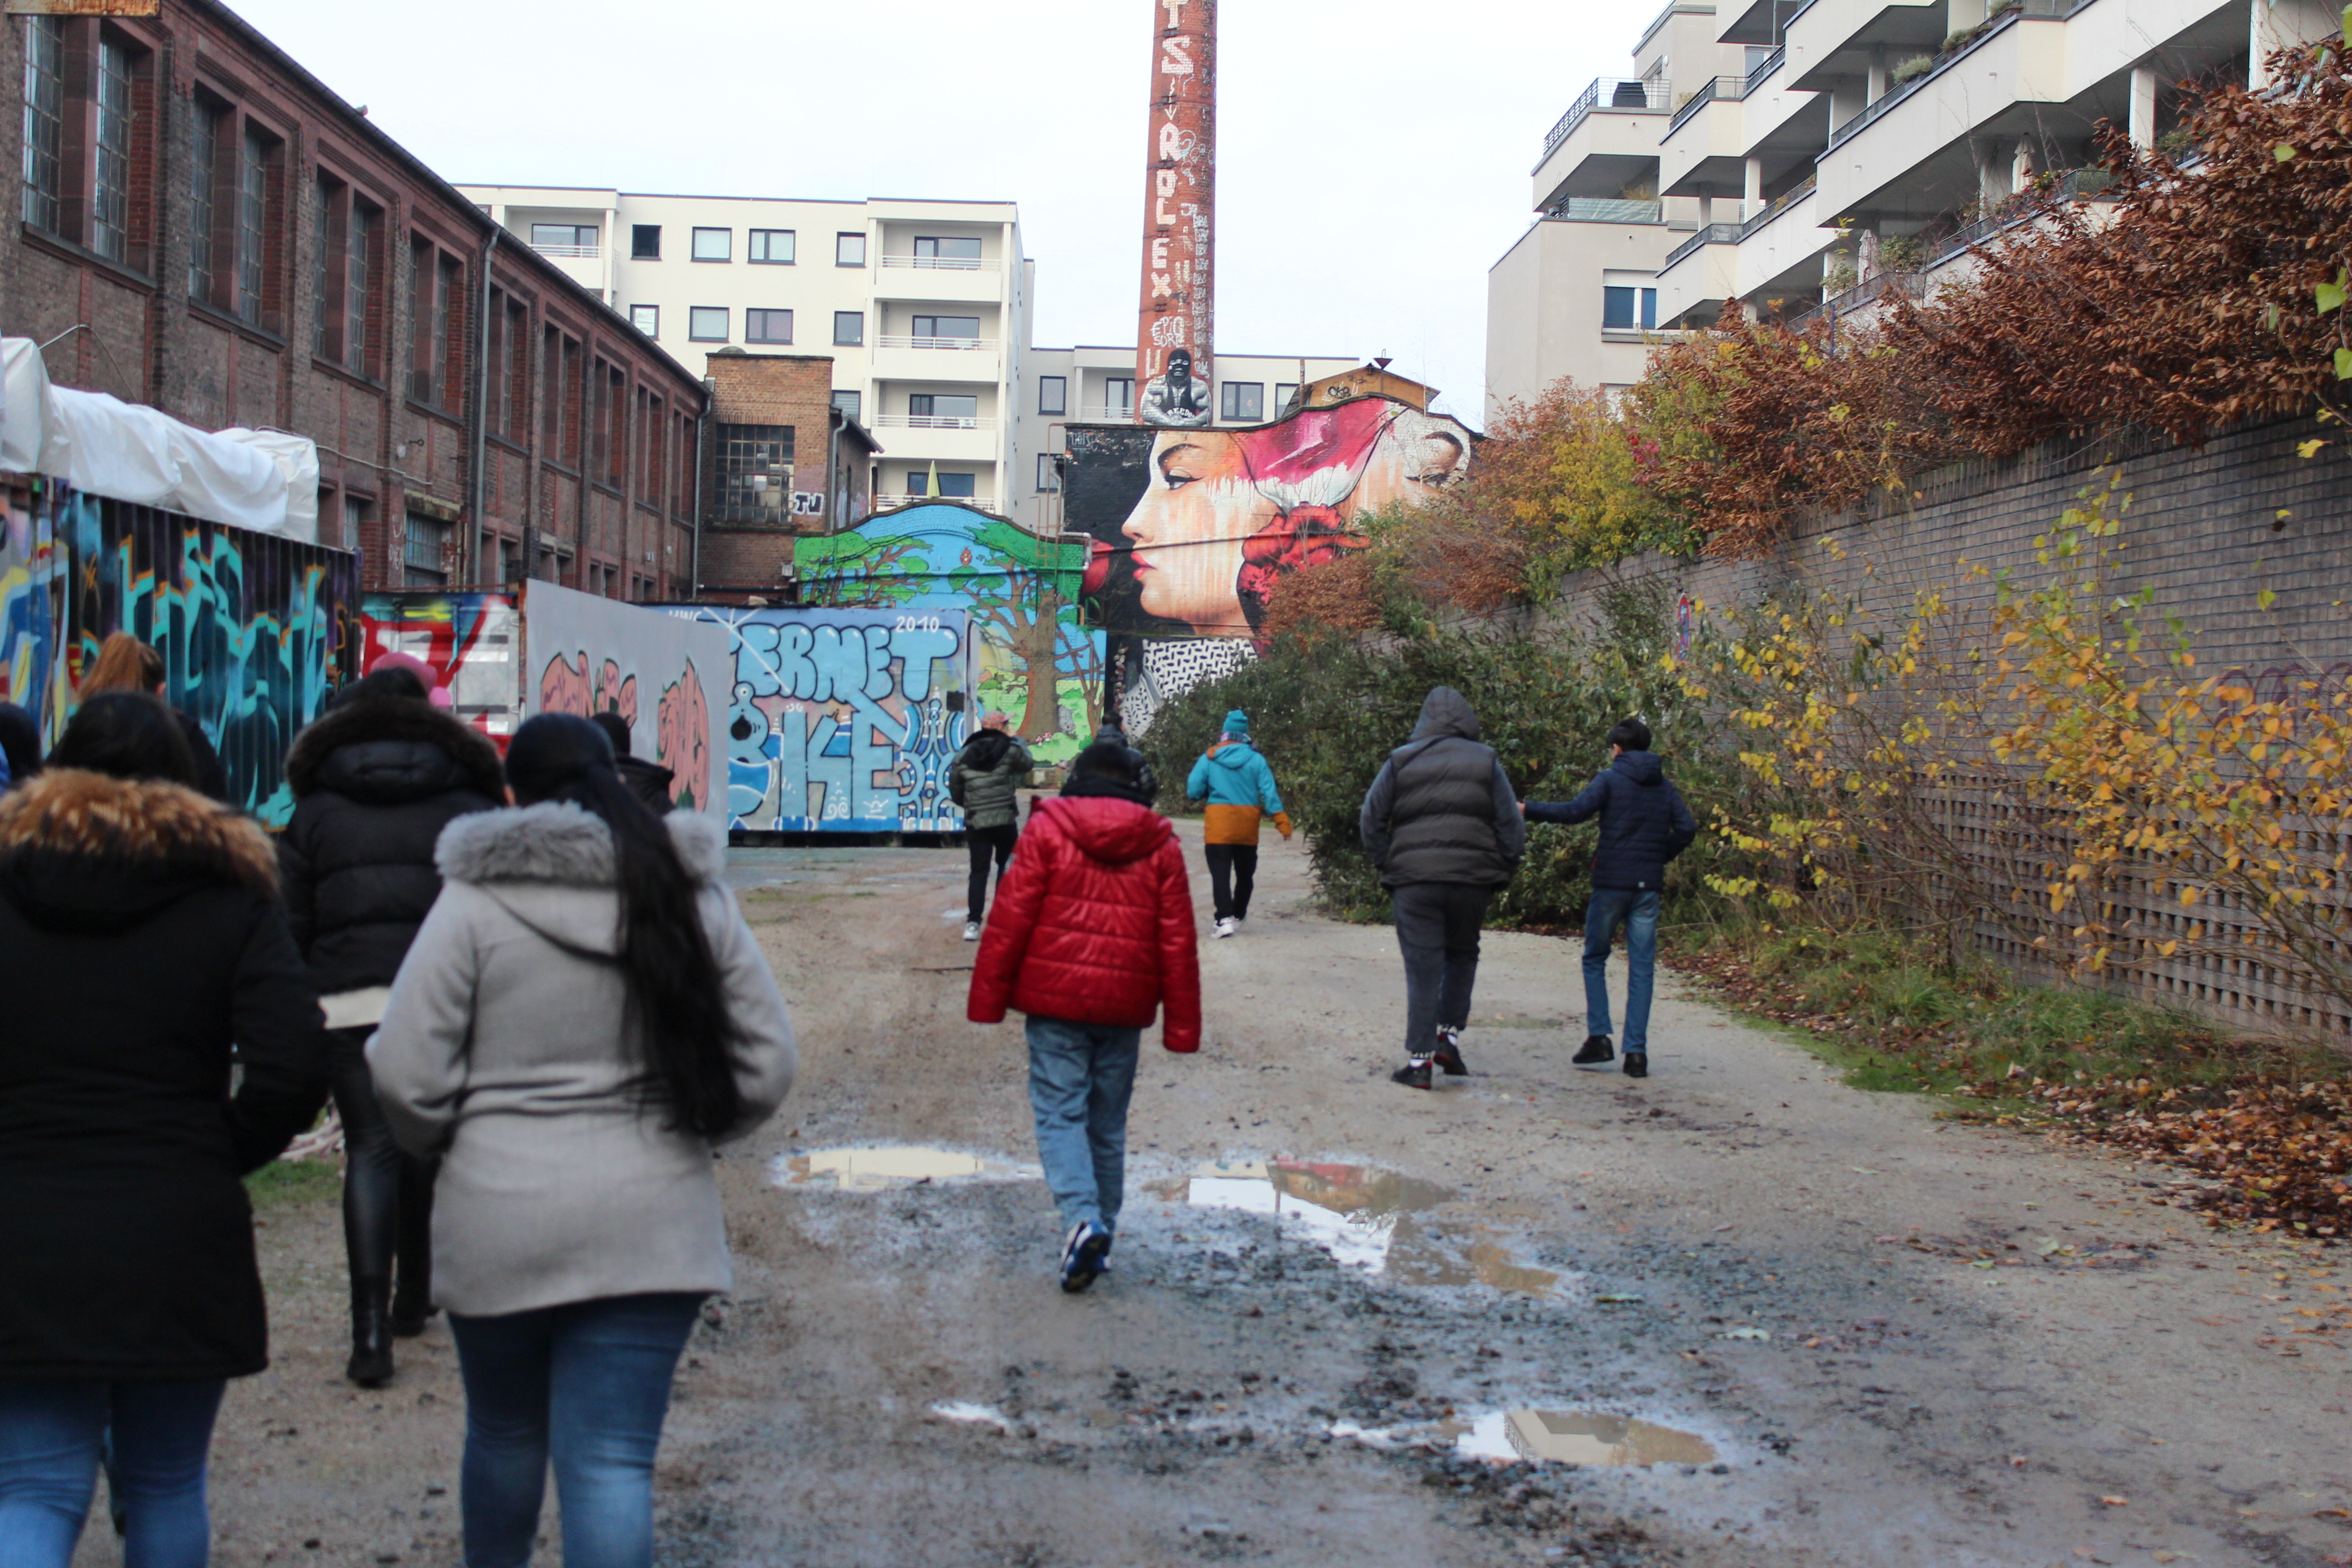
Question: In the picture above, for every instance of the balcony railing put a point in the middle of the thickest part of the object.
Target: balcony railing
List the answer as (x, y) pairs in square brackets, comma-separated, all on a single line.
[(2076, 185), (1766, 67), (1604, 209), (1993, 26), (901, 341), (1778, 204), (1106, 414), (1911, 284), (571, 252), (942, 263), (1713, 234), (1719, 89), (883, 502), (934, 421), (1617, 94)]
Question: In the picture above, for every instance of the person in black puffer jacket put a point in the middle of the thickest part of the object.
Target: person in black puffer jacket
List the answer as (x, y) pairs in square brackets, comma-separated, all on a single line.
[(375, 779), (1643, 824), (1442, 826)]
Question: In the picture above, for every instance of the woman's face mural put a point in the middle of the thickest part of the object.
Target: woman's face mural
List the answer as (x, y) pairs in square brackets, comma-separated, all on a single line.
[(1224, 516)]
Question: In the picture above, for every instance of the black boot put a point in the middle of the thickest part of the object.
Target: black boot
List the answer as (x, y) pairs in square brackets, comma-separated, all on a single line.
[(371, 1363), (411, 1311)]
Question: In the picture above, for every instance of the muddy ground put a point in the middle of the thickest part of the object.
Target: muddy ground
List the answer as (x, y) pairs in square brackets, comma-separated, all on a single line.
[(1898, 1339)]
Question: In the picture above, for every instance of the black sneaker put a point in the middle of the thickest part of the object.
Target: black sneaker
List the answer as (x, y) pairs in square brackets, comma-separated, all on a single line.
[(1637, 1064), (1597, 1052), (1413, 1075), (1449, 1051), (1082, 1257)]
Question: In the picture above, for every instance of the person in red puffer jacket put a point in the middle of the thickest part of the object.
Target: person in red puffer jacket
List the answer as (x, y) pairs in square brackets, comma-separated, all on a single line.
[(1091, 933)]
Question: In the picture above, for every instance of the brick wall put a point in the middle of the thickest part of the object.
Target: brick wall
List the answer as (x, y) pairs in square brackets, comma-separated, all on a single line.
[(157, 326), (758, 397), (2205, 531)]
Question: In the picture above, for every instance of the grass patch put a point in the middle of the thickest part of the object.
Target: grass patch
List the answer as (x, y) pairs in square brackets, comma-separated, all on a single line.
[(287, 1184)]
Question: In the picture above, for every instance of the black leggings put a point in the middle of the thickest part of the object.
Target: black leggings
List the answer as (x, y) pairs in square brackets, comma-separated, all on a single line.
[(1234, 864), (387, 1195), (984, 843)]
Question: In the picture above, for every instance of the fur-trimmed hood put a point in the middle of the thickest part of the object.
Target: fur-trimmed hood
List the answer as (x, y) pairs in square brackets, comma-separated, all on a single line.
[(80, 850), (552, 866), (387, 750)]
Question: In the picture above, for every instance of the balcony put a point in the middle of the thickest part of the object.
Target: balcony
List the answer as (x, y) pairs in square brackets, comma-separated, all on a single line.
[(1110, 414), (1778, 204), (1615, 95), (1713, 234), (966, 345), (887, 502), (1720, 90), (1766, 67), (571, 252), (942, 263), (1869, 291), (2039, 10), (933, 422), (1604, 209)]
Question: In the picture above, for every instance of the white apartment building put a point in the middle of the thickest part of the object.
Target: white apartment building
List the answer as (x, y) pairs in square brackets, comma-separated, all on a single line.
[(923, 305), (1807, 153), (1094, 384)]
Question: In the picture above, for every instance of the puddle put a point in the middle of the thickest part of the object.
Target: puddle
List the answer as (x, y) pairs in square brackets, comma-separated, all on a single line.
[(877, 1169), (1549, 1436), (971, 1414), (1363, 1217)]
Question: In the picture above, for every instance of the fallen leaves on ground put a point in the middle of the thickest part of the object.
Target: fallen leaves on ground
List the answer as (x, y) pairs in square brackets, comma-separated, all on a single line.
[(2274, 1154)]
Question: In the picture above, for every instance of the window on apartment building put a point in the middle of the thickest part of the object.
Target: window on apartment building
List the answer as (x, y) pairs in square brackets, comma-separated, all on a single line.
[(714, 244), (767, 326), (1053, 393), (1625, 308), (424, 556), (644, 242), (706, 324), (772, 247), (952, 486), (1049, 476), (1284, 392), (256, 154), (849, 250), (564, 239), (850, 403), (1119, 396), (848, 329), (203, 166), (110, 215), (44, 123), (646, 319), (942, 411), (755, 473), (955, 253), (1241, 400), (946, 329)]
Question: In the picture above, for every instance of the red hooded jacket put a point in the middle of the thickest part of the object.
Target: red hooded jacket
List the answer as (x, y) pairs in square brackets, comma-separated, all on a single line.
[(1093, 923)]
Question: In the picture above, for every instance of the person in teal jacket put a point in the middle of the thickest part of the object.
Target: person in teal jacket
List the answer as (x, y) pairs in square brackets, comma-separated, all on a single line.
[(1239, 787)]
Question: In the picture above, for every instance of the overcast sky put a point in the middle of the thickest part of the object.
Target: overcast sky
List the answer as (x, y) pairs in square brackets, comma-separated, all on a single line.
[(1373, 155)]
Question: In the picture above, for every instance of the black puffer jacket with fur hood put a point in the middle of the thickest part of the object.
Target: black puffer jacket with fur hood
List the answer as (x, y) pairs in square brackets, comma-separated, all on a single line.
[(374, 781), (140, 934)]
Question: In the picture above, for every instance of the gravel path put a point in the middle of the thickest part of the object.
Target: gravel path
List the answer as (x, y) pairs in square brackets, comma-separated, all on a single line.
[(1857, 1335)]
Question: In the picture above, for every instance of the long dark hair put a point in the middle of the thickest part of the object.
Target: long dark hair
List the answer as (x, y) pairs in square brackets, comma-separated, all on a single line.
[(676, 996), (127, 735)]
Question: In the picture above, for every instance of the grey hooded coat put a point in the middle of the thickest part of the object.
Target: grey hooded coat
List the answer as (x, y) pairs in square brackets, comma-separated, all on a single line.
[(507, 1049), (1441, 810)]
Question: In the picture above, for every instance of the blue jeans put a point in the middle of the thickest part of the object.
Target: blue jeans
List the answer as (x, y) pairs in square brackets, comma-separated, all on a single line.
[(587, 1384), (1081, 1077), (1638, 913), (51, 1437)]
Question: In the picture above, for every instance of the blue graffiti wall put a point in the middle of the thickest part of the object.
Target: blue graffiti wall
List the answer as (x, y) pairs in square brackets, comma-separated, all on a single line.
[(32, 597), (844, 720)]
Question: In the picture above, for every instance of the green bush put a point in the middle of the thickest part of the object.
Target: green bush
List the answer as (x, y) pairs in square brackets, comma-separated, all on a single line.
[(1327, 711)]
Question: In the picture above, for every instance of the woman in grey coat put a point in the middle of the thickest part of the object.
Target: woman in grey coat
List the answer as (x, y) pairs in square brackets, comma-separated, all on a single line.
[(582, 1015)]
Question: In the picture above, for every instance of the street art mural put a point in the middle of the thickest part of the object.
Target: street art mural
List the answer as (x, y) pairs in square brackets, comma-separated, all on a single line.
[(664, 675), (844, 720), (1192, 532), (472, 641), (255, 630), (1039, 659)]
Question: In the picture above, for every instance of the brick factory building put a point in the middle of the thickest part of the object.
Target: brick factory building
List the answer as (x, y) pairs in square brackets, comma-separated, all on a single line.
[(203, 226), (782, 457)]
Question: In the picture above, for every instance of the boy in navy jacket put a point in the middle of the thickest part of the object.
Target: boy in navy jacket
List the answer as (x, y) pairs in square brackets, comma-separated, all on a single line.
[(1643, 824)]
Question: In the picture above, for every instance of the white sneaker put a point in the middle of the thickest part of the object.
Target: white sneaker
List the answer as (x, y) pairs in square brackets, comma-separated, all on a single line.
[(1227, 926), (971, 930)]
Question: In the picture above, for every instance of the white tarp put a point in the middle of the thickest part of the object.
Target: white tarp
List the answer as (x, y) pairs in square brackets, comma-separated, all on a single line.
[(264, 480)]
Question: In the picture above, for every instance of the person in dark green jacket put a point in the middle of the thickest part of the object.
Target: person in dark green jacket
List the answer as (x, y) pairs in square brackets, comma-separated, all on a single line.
[(986, 779)]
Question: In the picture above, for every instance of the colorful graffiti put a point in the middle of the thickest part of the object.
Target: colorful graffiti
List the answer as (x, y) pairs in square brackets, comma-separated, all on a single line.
[(1194, 532), (591, 655), (32, 593), (1038, 659), (1175, 327), (255, 629), (844, 720), (472, 641)]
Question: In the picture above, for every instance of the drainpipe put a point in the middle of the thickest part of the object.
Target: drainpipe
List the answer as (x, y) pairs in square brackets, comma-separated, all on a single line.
[(701, 418), (481, 413)]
